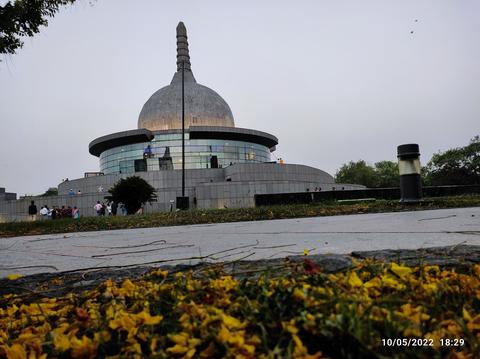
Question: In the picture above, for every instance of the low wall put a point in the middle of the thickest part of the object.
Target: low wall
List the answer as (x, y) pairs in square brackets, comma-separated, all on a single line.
[(346, 193)]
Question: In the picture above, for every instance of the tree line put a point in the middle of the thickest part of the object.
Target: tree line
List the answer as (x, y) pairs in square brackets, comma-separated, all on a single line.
[(456, 166)]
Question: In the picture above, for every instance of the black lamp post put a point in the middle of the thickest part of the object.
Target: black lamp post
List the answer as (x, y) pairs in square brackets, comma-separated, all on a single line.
[(183, 129), (183, 202)]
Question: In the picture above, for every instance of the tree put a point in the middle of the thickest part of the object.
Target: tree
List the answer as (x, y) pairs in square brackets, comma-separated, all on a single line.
[(387, 174), (456, 166), (133, 192), (358, 173), (24, 18), (382, 174), (52, 191)]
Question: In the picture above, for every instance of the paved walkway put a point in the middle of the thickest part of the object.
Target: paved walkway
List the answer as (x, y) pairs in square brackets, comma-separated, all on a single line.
[(233, 241)]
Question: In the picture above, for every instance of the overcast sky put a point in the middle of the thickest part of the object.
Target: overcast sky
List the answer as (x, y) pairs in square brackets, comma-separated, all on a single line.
[(334, 80)]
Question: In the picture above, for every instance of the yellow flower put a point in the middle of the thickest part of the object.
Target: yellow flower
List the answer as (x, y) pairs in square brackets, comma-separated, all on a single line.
[(390, 281), (128, 287), (208, 352), (466, 315), (412, 332), (231, 322), (474, 324), (180, 338), (298, 294), (354, 280), (84, 347), (147, 319), (14, 276), (430, 287), (223, 334), (225, 283), (401, 271), (160, 273), (290, 326), (16, 351), (12, 310), (183, 345), (124, 321), (61, 342), (177, 349), (373, 283), (153, 345), (413, 314)]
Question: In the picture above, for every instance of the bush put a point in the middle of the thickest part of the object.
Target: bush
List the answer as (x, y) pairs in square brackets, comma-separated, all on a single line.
[(133, 192)]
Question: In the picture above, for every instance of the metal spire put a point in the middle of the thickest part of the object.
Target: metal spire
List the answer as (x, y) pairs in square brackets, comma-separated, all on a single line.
[(182, 48)]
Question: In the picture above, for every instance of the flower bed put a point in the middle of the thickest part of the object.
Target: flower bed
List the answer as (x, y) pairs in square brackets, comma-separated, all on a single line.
[(371, 310)]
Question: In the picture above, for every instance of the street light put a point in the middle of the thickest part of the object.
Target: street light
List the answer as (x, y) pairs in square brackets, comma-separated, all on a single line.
[(183, 202)]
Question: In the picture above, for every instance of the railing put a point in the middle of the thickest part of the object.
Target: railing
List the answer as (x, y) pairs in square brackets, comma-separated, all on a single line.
[(377, 193)]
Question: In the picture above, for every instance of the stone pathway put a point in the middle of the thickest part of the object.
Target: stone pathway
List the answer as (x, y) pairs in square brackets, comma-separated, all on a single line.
[(239, 241)]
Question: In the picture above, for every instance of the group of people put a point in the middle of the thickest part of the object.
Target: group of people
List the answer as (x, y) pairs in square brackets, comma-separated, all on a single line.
[(101, 209), (109, 209), (52, 213)]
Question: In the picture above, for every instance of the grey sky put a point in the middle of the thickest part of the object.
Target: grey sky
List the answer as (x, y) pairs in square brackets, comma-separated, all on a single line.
[(334, 80)]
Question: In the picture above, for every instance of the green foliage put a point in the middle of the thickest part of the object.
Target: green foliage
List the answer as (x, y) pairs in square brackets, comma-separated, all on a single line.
[(358, 173), (457, 166), (133, 192), (387, 174), (52, 191), (383, 174), (24, 18)]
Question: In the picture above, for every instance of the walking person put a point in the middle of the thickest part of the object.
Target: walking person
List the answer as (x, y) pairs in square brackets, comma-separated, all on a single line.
[(32, 211), (109, 209)]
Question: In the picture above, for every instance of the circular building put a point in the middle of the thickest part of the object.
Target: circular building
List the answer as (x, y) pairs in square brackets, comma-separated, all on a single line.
[(225, 166), (211, 138)]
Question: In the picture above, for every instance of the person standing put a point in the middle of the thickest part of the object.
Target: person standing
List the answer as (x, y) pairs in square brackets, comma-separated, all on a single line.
[(109, 209), (97, 208), (54, 214), (44, 212), (114, 208), (123, 209), (32, 211), (103, 209), (75, 213)]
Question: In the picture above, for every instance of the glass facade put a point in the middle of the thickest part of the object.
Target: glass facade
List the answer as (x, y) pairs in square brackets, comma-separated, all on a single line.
[(165, 153)]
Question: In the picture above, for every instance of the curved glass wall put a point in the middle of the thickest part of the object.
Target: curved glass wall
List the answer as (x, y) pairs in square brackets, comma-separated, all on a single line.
[(166, 153)]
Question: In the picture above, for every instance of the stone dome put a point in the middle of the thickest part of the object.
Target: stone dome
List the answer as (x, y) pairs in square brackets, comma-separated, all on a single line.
[(203, 106)]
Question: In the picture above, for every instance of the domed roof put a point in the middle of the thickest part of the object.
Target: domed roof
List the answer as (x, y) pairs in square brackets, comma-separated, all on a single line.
[(203, 106)]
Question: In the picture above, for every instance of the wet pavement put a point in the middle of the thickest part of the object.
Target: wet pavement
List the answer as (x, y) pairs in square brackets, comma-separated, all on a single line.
[(239, 241)]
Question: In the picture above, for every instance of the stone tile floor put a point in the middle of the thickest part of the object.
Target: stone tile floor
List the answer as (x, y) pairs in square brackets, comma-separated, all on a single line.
[(241, 240)]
